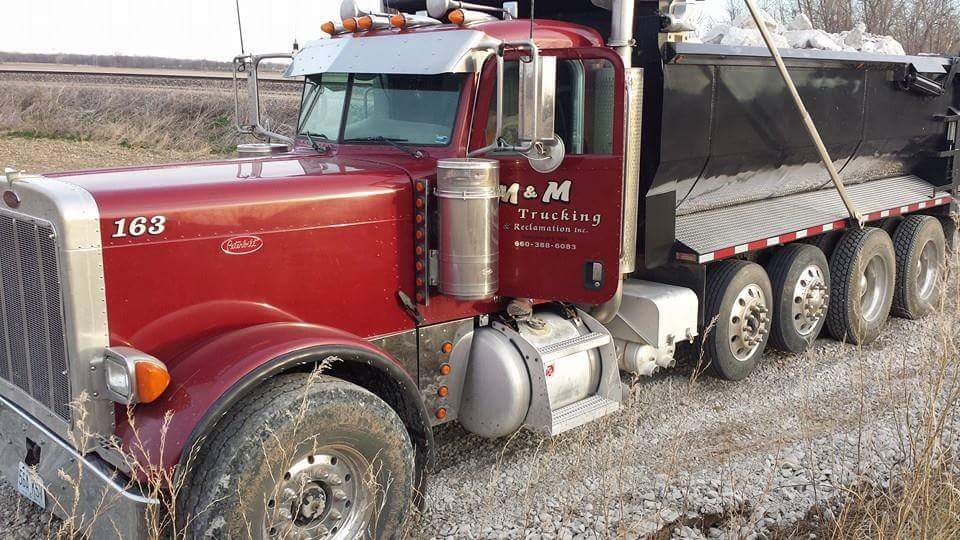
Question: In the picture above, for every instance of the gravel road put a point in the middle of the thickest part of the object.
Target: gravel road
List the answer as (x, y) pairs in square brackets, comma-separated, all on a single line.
[(687, 457)]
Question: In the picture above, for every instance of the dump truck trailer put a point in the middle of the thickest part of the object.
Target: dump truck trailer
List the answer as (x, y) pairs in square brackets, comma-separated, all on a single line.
[(485, 216)]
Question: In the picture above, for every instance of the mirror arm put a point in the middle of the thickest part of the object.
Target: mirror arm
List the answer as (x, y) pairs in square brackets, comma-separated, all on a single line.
[(534, 57), (251, 64)]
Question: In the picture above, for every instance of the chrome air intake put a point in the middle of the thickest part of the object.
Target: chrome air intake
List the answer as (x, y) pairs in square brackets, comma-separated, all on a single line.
[(467, 196)]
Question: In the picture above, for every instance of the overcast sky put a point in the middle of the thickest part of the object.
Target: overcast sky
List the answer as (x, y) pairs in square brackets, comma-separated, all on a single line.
[(174, 28)]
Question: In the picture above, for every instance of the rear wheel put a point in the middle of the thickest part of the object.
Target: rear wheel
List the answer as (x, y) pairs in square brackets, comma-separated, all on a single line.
[(863, 272), (825, 242), (919, 246), (800, 278), (739, 297), (303, 457)]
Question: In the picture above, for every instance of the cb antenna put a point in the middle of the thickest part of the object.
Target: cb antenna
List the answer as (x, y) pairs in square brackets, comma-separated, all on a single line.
[(533, 9), (240, 28)]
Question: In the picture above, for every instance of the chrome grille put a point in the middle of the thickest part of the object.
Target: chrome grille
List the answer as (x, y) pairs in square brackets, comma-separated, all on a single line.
[(32, 343)]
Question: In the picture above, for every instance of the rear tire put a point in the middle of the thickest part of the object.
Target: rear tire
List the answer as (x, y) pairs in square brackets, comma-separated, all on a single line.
[(863, 273), (304, 457), (739, 297), (949, 226), (919, 245), (826, 242), (800, 277)]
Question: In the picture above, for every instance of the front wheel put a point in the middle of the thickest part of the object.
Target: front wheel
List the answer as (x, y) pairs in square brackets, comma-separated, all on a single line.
[(304, 457)]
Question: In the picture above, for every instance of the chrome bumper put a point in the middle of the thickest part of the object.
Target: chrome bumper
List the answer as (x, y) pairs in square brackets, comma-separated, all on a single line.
[(77, 487)]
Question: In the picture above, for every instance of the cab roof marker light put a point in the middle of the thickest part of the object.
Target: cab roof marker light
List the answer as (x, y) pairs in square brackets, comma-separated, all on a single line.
[(465, 16), (351, 24), (373, 22), (333, 28), (404, 20)]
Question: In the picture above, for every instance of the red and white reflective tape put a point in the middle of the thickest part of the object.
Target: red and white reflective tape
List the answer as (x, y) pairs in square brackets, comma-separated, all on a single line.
[(810, 231)]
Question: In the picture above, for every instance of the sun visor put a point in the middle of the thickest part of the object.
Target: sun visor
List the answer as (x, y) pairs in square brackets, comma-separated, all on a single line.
[(414, 53)]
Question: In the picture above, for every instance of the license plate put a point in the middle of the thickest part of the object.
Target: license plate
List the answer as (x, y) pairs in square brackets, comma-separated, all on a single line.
[(30, 485)]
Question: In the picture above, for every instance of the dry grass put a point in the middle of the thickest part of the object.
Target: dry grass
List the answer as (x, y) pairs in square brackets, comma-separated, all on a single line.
[(161, 118)]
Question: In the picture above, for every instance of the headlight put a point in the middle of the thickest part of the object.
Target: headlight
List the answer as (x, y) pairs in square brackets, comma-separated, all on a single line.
[(131, 376), (118, 378)]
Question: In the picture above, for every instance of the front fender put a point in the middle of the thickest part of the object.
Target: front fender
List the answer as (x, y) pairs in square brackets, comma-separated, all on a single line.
[(206, 382)]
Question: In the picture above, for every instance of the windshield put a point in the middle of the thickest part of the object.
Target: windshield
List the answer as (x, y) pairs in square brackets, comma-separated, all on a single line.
[(413, 109)]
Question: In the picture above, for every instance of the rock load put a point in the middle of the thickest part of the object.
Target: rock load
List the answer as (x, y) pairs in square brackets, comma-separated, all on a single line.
[(711, 23)]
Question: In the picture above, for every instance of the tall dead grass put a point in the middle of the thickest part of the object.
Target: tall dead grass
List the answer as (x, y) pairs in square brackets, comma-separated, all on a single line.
[(163, 118)]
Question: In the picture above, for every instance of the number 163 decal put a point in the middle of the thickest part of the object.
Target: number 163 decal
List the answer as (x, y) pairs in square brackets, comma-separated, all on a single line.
[(139, 226)]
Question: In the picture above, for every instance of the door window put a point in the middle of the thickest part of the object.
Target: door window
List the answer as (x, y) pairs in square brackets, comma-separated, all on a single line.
[(584, 109)]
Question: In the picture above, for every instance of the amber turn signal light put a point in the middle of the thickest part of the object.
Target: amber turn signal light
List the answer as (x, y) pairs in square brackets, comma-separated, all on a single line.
[(152, 380), (457, 16)]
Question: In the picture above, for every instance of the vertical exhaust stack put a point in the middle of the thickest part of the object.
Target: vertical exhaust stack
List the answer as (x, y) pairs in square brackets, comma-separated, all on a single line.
[(621, 40)]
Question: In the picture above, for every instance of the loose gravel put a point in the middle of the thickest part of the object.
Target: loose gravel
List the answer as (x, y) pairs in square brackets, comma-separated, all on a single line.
[(687, 457)]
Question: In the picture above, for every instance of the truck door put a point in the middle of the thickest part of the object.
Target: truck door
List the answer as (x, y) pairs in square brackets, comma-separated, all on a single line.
[(560, 231)]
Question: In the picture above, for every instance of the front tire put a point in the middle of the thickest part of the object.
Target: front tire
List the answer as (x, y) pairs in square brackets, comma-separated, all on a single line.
[(863, 271), (738, 297), (919, 244), (304, 456)]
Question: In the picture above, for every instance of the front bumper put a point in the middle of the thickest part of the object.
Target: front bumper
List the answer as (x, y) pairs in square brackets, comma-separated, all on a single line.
[(80, 488)]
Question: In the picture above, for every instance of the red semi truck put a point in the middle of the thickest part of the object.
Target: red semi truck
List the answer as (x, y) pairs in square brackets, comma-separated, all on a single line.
[(484, 217)]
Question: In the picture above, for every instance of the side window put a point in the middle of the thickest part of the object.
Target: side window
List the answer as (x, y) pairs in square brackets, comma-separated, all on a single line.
[(585, 106)]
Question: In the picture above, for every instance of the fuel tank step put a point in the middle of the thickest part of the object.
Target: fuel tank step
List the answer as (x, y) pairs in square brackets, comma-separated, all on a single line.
[(572, 346), (581, 412)]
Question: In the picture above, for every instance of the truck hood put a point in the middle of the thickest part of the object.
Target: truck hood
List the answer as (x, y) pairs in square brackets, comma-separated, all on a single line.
[(241, 196)]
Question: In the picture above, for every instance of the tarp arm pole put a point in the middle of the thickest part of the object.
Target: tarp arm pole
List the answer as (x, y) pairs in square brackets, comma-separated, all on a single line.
[(855, 215)]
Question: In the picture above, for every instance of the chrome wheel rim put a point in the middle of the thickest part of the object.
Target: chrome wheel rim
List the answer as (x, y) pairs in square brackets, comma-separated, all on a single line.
[(928, 270), (323, 495), (873, 288), (748, 322), (809, 300)]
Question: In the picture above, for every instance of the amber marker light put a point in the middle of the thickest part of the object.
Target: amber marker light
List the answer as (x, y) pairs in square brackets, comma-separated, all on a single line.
[(445, 369), (365, 22), (398, 20), (350, 24), (441, 413), (152, 380), (457, 16), (328, 27), (446, 347), (442, 391)]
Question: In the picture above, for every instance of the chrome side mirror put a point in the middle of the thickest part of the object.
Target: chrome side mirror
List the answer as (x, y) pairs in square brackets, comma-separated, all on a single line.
[(536, 107), (249, 65), (538, 102)]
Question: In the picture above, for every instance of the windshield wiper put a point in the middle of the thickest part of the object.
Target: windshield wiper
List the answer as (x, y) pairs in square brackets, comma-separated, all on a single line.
[(392, 141), (316, 146)]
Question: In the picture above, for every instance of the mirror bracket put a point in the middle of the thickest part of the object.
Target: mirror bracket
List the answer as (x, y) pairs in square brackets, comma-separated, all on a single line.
[(250, 65)]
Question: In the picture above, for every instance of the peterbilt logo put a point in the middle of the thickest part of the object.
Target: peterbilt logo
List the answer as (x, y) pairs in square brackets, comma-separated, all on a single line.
[(241, 245)]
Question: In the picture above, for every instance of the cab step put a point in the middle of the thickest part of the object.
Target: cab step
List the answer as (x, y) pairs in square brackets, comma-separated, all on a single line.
[(581, 412), (570, 347)]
